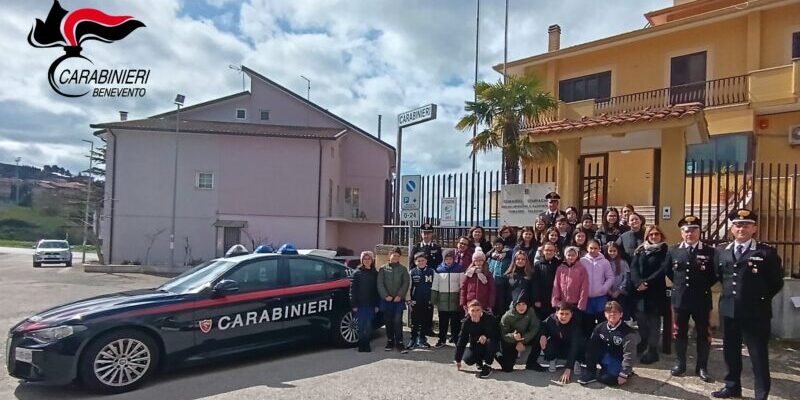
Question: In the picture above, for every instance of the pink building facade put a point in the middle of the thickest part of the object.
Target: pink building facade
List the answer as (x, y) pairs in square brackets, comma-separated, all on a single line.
[(261, 166)]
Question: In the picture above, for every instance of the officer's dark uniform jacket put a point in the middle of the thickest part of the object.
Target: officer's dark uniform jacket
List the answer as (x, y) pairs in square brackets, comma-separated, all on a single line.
[(550, 217), (748, 285), (692, 276), (433, 253)]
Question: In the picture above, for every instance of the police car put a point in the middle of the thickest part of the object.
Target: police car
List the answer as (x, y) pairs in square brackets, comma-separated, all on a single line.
[(224, 307)]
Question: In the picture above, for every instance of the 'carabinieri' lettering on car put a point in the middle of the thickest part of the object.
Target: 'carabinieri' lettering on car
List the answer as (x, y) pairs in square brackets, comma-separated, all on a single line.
[(272, 314)]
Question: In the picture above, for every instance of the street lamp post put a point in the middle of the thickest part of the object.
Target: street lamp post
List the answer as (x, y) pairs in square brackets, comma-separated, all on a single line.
[(16, 184), (179, 99), (88, 199)]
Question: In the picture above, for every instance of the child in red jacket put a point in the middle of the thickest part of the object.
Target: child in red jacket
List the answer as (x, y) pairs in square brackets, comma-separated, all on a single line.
[(478, 283)]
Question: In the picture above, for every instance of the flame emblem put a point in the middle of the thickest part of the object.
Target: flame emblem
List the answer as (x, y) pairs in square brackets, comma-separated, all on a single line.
[(69, 30)]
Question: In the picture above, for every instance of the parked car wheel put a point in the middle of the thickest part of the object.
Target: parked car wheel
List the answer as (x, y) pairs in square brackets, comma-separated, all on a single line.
[(69, 263), (36, 264), (344, 330), (119, 361)]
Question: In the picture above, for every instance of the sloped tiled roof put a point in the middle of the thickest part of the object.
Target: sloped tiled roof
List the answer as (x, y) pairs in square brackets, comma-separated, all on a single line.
[(625, 118), (217, 127)]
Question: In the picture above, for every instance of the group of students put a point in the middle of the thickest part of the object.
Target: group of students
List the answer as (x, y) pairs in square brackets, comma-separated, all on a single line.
[(562, 288)]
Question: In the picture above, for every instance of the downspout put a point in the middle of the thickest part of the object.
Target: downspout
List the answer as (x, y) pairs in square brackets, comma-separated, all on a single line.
[(112, 199), (319, 189)]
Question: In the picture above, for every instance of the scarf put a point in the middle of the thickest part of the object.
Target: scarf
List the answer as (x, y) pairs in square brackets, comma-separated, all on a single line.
[(648, 247), (473, 270)]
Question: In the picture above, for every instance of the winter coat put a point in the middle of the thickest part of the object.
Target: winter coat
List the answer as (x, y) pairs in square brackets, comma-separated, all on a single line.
[(498, 267), (364, 288), (601, 276), (464, 258), (629, 242), (623, 280), (544, 276), (472, 288), (525, 324), (484, 245), (472, 331), (446, 287), (393, 280), (571, 333), (421, 283), (607, 236), (571, 285), (618, 342), (518, 286), (649, 267)]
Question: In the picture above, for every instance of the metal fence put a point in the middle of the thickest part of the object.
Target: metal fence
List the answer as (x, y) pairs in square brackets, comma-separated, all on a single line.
[(713, 190), (475, 207)]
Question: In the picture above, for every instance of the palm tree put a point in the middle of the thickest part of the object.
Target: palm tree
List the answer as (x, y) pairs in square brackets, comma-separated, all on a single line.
[(500, 108)]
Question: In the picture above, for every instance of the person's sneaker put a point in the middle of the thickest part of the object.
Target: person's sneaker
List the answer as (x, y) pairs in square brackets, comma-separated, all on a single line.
[(485, 372), (587, 377), (389, 346), (441, 343), (552, 366), (576, 370), (411, 344), (402, 349), (424, 343)]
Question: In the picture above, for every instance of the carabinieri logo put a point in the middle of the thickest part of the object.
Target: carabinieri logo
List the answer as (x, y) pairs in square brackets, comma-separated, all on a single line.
[(70, 30)]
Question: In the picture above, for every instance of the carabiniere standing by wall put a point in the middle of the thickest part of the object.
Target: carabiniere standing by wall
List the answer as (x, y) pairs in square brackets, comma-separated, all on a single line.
[(751, 274), (690, 267)]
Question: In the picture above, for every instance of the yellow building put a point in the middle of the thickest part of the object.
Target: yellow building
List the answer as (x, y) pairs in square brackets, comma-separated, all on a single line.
[(707, 80)]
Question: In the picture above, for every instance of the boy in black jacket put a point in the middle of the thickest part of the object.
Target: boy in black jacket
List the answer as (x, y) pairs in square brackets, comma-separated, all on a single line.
[(364, 298), (479, 329), (420, 301), (561, 337), (613, 346)]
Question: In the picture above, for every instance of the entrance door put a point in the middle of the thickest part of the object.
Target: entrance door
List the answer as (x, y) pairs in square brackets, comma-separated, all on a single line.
[(231, 237), (687, 78), (594, 184)]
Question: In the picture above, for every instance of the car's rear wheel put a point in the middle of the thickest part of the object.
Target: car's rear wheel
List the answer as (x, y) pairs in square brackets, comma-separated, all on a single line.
[(119, 361), (344, 330), (69, 263)]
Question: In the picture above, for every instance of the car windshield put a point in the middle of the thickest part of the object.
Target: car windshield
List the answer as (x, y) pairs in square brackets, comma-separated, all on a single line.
[(196, 278), (55, 244)]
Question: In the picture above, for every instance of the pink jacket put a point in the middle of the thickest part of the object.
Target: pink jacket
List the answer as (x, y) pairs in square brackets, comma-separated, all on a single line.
[(601, 275), (571, 285)]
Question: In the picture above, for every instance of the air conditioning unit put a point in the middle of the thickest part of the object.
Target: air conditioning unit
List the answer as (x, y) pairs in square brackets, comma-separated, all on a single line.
[(794, 134)]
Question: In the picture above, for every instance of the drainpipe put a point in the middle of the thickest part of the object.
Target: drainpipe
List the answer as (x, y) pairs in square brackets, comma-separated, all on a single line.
[(112, 199), (319, 189)]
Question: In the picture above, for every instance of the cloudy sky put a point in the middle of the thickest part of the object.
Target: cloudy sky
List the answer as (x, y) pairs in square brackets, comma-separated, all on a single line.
[(364, 58)]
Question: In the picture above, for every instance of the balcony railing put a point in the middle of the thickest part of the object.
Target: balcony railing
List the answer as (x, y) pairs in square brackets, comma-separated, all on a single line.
[(717, 92)]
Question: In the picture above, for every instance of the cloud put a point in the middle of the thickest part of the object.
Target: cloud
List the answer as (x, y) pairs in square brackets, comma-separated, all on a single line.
[(364, 59)]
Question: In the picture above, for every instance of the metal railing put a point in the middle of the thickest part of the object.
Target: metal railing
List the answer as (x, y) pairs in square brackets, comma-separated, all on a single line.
[(717, 92)]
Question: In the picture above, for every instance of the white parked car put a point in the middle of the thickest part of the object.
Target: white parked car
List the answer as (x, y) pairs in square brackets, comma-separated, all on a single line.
[(52, 252)]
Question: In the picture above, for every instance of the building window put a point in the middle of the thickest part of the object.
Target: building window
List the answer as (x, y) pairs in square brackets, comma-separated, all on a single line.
[(796, 45), (721, 153), (264, 115), (241, 113), (596, 86), (205, 180)]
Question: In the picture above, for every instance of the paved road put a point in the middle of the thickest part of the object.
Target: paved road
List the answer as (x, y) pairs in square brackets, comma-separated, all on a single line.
[(324, 373)]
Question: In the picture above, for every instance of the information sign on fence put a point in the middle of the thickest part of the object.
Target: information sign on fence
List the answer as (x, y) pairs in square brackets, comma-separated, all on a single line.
[(449, 211), (521, 204)]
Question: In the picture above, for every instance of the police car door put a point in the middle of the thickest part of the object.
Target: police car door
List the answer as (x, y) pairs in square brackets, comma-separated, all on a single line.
[(245, 319), (319, 291)]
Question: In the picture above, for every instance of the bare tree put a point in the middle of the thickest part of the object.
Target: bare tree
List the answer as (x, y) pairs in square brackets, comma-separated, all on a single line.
[(257, 239), (151, 237)]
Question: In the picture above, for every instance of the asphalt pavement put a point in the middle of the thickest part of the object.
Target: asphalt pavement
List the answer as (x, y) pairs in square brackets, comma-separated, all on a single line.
[(321, 372)]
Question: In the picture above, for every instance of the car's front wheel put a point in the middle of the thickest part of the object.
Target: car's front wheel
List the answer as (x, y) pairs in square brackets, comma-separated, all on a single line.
[(119, 361), (344, 330), (36, 264)]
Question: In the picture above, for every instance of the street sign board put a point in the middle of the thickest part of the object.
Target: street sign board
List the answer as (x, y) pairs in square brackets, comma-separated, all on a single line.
[(449, 211), (410, 216), (409, 189), (416, 116)]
